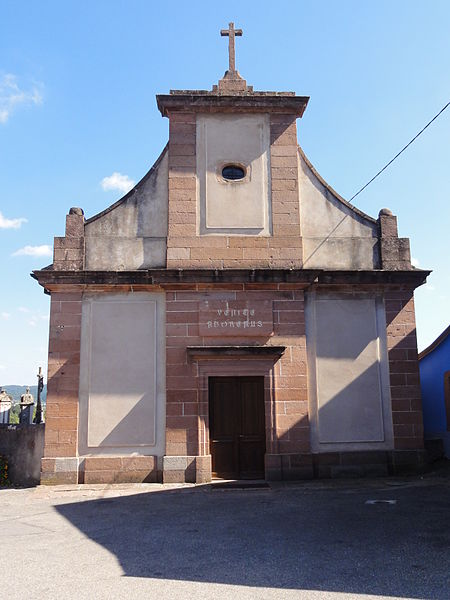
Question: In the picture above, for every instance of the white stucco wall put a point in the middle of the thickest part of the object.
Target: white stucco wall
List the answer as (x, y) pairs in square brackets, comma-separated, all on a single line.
[(349, 389), (132, 234), (236, 207), (122, 374), (334, 235)]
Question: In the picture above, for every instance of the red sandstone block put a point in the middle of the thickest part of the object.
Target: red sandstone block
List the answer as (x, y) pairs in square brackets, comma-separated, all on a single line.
[(176, 356), (283, 138), (177, 396), (287, 446), (206, 252), (284, 173), (402, 404), (289, 329), (138, 463), (412, 379), (51, 437), (181, 383), (249, 242), (102, 463), (182, 138), (182, 149), (416, 403), (407, 418), (412, 443), (205, 295), (182, 183), (176, 330), (282, 150), (187, 370), (290, 382), (182, 117), (68, 437), (181, 306), (285, 218), (191, 409), (283, 118), (284, 161), (287, 127), (48, 465), (280, 185), (182, 317), (174, 409), (403, 366), (291, 395), (286, 230), (296, 408), (397, 379), (181, 127), (182, 218), (291, 316), (406, 391), (181, 161), (181, 230), (403, 431), (59, 450)]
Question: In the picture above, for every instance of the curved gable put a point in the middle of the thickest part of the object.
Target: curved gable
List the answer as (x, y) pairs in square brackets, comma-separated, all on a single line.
[(335, 234), (132, 233)]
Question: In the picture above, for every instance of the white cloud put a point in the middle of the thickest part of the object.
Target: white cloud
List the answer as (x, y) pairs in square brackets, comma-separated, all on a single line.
[(415, 262), (429, 287), (2, 367), (12, 95), (5, 315), (23, 309), (43, 250), (117, 181), (11, 223)]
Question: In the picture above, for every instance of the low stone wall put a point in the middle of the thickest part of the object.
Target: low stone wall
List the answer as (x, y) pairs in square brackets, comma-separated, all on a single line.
[(23, 447)]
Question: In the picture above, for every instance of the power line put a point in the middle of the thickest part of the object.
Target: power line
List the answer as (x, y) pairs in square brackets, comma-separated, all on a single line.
[(373, 178), (401, 151)]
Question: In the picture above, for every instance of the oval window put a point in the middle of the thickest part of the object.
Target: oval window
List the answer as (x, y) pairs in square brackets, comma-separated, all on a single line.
[(233, 172)]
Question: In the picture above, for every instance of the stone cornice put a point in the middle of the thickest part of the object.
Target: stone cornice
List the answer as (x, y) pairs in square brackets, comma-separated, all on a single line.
[(303, 278), (188, 101)]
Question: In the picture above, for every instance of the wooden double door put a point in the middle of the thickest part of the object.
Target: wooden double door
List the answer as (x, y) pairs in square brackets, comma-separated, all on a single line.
[(237, 427)]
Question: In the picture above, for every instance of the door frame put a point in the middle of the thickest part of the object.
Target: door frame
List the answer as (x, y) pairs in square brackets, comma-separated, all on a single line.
[(232, 366)]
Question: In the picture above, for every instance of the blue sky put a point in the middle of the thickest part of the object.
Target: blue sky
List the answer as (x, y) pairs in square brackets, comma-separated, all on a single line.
[(77, 105)]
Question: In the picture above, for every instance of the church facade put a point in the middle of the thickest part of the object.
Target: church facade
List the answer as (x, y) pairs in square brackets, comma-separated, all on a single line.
[(231, 316)]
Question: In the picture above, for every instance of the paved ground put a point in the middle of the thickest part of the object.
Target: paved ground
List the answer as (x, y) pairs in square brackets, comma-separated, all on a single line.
[(309, 540)]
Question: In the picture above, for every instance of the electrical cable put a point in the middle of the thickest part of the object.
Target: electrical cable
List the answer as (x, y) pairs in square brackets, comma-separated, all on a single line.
[(401, 151)]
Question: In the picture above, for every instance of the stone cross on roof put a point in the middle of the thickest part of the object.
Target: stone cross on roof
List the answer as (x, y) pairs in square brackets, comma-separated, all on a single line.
[(232, 82), (231, 32)]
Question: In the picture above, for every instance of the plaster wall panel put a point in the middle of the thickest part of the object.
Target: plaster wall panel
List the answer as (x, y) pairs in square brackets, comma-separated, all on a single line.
[(335, 235), (236, 207), (122, 383), (131, 234), (350, 400)]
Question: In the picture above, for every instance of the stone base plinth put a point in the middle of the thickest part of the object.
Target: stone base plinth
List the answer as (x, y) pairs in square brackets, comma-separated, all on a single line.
[(378, 463), (187, 469), (59, 471)]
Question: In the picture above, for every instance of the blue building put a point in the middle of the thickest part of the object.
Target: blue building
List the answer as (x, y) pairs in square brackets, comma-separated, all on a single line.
[(434, 364)]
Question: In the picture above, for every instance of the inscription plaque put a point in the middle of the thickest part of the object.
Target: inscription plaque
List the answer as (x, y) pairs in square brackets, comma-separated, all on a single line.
[(234, 318)]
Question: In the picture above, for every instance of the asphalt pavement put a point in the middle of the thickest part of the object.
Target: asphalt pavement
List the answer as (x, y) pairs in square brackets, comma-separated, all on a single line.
[(377, 538)]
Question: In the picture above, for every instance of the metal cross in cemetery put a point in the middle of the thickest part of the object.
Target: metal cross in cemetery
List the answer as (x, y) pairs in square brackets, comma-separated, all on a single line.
[(231, 32)]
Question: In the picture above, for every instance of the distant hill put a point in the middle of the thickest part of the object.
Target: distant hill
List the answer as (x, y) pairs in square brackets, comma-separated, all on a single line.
[(17, 390)]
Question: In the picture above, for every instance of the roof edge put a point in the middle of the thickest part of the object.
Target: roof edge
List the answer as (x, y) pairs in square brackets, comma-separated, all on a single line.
[(133, 189), (437, 342)]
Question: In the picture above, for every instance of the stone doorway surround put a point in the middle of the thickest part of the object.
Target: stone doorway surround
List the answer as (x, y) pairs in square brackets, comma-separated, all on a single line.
[(228, 361), (237, 361)]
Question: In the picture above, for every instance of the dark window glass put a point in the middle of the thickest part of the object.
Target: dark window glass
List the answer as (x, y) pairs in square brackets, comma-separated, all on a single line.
[(233, 172)]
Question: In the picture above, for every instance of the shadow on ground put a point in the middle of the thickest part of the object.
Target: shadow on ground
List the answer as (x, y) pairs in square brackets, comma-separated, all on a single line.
[(288, 538)]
